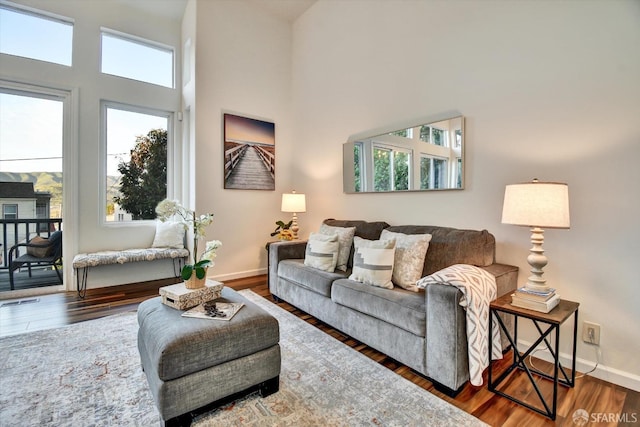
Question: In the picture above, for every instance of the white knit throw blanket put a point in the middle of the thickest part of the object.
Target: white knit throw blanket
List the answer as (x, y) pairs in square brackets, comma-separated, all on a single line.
[(478, 289)]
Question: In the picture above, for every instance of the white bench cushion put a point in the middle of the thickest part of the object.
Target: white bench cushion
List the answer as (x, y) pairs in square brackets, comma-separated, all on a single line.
[(128, 255)]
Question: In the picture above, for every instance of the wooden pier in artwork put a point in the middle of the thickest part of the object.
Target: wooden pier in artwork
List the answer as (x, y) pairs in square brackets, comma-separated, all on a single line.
[(249, 166)]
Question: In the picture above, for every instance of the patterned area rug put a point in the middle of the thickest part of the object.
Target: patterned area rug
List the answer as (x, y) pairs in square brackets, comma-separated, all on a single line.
[(88, 374)]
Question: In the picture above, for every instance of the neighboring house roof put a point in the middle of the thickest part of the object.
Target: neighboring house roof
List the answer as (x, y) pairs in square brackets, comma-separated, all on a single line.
[(17, 190)]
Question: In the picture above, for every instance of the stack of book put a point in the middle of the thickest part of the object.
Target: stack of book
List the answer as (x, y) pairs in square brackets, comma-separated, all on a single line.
[(543, 301)]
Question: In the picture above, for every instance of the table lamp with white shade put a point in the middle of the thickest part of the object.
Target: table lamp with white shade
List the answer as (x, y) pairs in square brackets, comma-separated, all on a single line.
[(295, 203), (537, 205)]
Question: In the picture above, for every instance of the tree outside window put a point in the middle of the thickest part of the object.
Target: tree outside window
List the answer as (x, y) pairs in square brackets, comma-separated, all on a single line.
[(391, 169)]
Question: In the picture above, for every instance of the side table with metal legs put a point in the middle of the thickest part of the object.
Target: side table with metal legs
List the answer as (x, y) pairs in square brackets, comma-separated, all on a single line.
[(552, 321)]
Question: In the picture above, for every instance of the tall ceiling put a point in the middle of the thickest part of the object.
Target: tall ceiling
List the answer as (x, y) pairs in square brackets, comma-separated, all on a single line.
[(288, 10)]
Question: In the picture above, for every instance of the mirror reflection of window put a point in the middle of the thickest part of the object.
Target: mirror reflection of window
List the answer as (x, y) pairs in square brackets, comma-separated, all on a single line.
[(433, 135), (357, 166), (391, 169), (440, 173), (425, 173), (381, 169), (427, 156), (433, 173)]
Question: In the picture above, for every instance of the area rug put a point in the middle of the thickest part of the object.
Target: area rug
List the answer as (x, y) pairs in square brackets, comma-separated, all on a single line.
[(88, 374)]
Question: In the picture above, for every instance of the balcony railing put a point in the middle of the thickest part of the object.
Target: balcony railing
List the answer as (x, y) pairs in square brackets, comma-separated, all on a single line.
[(16, 231)]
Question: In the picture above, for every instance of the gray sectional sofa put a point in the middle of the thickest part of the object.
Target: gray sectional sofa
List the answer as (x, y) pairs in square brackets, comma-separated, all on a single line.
[(426, 330)]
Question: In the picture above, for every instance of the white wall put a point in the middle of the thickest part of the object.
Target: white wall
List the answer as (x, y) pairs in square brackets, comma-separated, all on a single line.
[(243, 66), (549, 90)]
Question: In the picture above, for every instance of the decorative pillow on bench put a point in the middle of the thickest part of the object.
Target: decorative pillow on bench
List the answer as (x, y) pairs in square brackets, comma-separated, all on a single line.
[(169, 234), (322, 252), (411, 250), (373, 262)]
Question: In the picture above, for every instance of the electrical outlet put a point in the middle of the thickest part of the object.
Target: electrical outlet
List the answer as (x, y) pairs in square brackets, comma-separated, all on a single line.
[(591, 333)]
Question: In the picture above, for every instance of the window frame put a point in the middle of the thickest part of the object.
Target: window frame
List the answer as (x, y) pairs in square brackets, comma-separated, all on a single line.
[(432, 170), (105, 105), (4, 210), (392, 169)]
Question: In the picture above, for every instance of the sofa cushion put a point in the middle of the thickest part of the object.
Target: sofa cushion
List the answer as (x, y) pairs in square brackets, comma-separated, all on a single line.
[(449, 246), (399, 307), (373, 262), (411, 250), (322, 252), (309, 278), (345, 241)]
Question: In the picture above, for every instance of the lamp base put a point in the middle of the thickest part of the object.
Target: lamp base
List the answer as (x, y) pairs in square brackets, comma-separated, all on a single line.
[(294, 226), (537, 260)]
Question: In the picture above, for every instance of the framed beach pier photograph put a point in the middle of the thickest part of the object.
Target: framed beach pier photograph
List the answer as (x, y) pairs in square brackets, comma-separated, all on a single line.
[(249, 153)]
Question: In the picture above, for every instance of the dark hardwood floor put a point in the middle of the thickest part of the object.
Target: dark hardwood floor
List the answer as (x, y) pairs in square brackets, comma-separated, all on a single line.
[(607, 403)]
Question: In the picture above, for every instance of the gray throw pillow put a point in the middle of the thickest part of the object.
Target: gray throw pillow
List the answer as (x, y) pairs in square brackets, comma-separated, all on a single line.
[(345, 238), (322, 252)]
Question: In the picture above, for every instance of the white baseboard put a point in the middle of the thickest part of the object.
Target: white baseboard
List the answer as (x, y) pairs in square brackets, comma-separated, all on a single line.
[(603, 372), (239, 274)]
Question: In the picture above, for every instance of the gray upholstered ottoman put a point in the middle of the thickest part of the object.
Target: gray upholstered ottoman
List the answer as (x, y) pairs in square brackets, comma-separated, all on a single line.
[(191, 363)]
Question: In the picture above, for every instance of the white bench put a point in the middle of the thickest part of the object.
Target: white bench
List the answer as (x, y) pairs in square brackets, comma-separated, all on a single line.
[(94, 259)]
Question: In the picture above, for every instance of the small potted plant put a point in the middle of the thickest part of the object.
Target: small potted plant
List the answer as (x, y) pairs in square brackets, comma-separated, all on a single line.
[(283, 230), (195, 273)]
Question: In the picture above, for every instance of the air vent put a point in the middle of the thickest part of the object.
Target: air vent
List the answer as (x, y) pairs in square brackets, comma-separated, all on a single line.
[(20, 302)]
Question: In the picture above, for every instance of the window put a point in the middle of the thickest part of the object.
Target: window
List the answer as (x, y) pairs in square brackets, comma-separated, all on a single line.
[(433, 173), (458, 133), (32, 135), (405, 133), (10, 211), (128, 56), (390, 168), (31, 34), (432, 135), (358, 166), (136, 161)]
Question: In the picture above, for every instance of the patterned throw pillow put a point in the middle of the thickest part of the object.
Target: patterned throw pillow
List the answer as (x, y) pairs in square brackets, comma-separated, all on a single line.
[(373, 262), (411, 250), (169, 234), (345, 238), (39, 252), (322, 252)]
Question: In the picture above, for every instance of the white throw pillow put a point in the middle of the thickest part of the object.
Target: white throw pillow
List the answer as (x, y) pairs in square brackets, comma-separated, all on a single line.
[(411, 250), (322, 252), (373, 262), (169, 234), (345, 238)]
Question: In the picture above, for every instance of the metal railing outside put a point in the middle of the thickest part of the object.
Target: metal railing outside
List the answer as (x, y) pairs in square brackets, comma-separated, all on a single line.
[(16, 231)]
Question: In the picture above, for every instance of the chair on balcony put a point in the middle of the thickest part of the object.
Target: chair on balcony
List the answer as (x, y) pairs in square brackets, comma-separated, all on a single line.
[(40, 252)]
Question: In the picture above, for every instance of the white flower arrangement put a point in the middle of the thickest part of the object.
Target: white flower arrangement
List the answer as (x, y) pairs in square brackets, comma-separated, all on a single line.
[(172, 209)]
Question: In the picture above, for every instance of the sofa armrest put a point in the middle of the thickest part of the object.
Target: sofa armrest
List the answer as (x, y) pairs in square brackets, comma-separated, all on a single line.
[(447, 350), (506, 282), (506, 277), (277, 252)]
